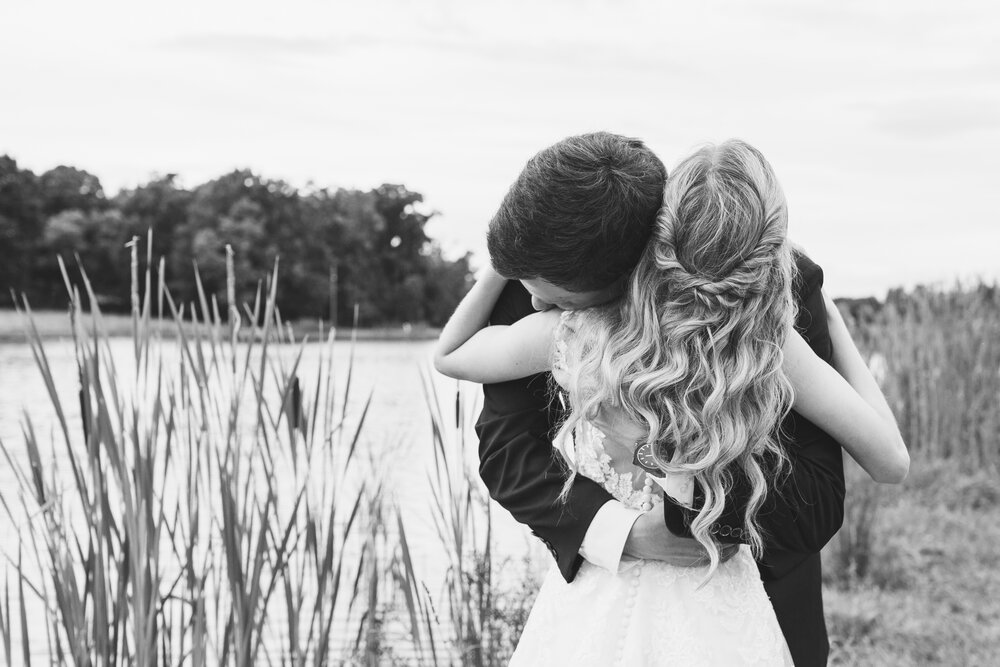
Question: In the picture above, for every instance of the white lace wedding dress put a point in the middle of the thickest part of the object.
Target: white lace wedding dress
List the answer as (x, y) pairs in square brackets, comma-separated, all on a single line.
[(650, 614)]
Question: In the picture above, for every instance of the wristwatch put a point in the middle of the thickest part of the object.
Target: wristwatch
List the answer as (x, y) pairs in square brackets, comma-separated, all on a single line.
[(644, 458)]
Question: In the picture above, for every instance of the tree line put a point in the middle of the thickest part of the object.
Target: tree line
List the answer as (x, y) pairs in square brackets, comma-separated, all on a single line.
[(336, 247)]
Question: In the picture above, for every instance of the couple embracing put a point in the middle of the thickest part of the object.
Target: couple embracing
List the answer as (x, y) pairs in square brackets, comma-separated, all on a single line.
[(668, 395)]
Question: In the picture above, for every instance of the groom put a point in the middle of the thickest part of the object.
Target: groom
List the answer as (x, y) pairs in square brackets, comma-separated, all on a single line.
[(568, 234)]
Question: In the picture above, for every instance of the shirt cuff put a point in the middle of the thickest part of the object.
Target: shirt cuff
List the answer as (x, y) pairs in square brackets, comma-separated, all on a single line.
[(604, 542), (679, 487)]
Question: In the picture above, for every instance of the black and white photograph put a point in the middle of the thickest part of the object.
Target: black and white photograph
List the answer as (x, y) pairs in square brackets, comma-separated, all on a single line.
[(607, 333)]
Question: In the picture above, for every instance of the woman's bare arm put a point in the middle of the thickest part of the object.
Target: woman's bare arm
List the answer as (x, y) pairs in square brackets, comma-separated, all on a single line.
[(468, 349), (846, 402)]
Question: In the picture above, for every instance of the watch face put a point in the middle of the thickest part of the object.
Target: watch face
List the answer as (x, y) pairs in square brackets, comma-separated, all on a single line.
[(644, 459)]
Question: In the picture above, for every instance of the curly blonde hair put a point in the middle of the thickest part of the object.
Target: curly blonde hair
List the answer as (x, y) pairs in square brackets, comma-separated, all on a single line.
[(693, 350)]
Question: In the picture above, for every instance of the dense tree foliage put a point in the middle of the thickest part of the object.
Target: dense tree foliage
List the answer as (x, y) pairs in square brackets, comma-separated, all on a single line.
[(335, 248)]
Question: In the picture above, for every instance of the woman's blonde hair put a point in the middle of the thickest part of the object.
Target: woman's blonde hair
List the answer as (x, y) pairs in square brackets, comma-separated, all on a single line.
[(693, 349)]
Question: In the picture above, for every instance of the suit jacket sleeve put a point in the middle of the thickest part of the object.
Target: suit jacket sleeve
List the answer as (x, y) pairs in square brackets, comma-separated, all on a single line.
[(804, 508), (516, 459)]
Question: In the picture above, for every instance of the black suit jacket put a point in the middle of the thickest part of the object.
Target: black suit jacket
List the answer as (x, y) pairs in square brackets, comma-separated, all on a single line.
[(800, 515)]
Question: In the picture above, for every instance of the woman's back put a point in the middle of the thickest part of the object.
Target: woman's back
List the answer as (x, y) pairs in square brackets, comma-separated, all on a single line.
[(648, 612), (604, 446)]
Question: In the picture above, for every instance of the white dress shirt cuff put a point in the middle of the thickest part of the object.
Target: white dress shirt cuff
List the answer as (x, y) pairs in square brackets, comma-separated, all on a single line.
[(604, 542)]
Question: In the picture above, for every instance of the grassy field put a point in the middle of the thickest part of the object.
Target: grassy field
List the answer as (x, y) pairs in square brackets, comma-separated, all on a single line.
[(54, 324), (920, 585), (913, 577)]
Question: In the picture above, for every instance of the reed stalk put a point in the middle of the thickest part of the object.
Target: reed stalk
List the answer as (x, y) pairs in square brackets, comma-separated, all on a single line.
[(937, 354), (463, 522), (204, 507)]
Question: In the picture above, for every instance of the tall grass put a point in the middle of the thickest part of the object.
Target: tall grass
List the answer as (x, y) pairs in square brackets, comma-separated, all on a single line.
[(938, 354), (851, 556), (213, 503), (206, 509), (483, 615), (457, 509)]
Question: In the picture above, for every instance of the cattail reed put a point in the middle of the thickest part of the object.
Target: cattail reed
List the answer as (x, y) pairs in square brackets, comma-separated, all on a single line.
[(205, 512)]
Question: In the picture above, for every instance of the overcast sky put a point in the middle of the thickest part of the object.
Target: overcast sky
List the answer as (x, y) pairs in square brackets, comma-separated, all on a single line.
[(882, 119)]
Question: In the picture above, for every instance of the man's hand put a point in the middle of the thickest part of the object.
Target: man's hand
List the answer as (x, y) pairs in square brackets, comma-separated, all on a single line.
[(649, 539)]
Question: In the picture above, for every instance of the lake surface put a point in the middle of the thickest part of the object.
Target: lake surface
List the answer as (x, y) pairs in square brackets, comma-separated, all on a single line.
[(397, 431)]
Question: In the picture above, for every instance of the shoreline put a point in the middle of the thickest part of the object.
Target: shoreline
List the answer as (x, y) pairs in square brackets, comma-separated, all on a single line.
[(55, 325)]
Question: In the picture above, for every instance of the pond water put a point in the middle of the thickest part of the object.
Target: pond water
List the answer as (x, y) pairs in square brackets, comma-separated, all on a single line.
[(397, 431)]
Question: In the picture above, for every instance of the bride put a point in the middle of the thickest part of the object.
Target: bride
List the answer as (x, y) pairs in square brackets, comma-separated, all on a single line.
[(681, 382)]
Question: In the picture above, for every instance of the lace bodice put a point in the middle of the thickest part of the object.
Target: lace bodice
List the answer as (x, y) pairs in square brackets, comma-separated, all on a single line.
[(586, 448), (594, 462)]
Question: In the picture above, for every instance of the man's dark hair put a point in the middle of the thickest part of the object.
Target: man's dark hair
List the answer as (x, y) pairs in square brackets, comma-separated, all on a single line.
[(580, 213)]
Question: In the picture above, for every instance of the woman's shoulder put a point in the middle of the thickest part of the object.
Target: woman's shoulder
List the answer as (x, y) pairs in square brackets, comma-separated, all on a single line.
[(567, 326)]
